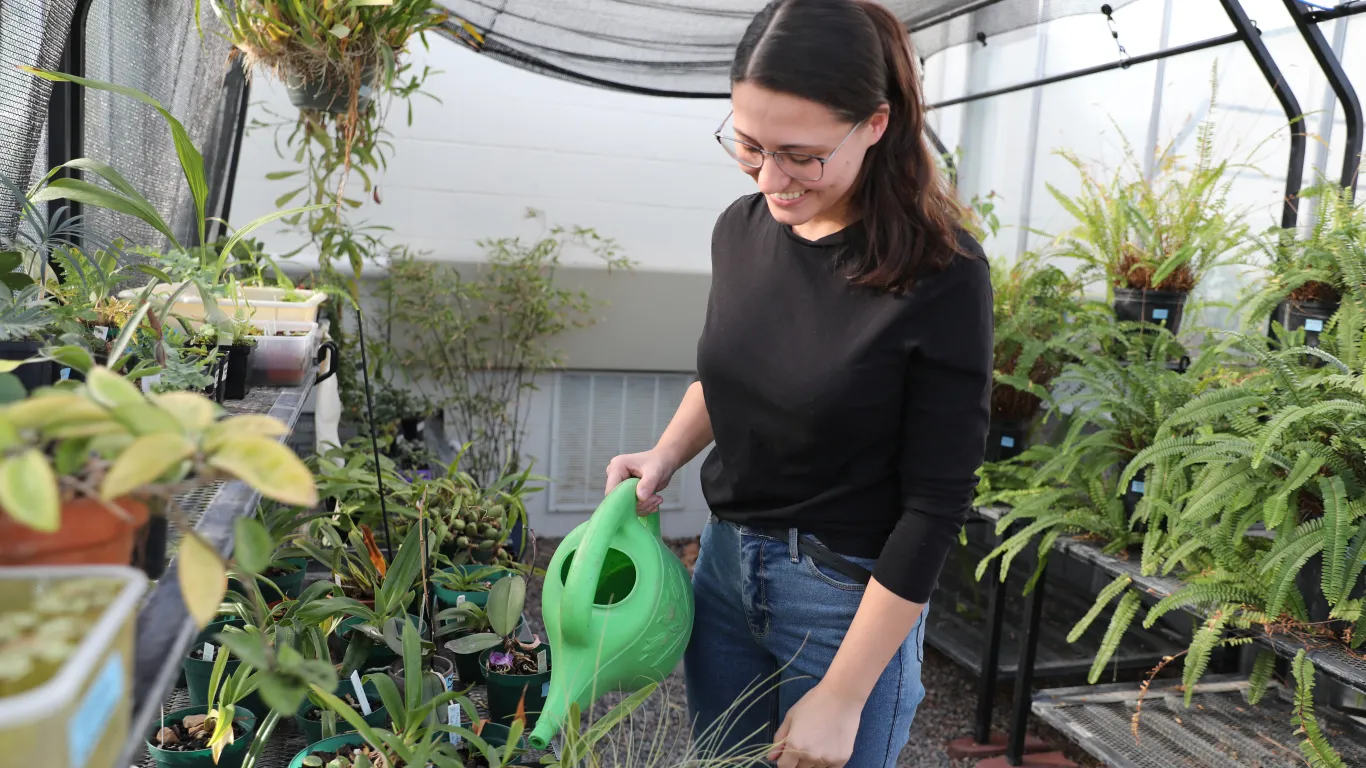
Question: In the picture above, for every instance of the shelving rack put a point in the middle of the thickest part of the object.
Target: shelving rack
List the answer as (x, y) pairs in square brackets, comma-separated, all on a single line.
[(164, 628)]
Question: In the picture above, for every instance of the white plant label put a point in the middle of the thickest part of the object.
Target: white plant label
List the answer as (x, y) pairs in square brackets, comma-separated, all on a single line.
[(360, 693), (459, 600), (208, 651), (453, 717), (540, 661)]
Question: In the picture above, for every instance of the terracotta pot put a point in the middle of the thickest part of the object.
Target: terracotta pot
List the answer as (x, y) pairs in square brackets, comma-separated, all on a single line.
[(90, 534)]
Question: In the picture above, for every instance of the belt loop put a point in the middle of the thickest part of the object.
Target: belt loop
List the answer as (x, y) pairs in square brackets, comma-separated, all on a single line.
[(792, 545)]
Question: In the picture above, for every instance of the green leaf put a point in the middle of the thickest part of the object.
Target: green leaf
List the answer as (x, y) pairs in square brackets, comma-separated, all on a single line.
[(191, 161), (110, 389), (28, 491), (507, 597), (277, 175), (80, 191), (142, 463), (269, 467), (474, 643), (340, 31), (252, 545), (203, 579)]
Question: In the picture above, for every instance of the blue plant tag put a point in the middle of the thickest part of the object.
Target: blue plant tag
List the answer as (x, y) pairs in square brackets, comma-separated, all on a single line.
[(65, 374), (545, 689), (1136, 486), (1313, 325), (1007, 441), (1159, 314), (86, 727)]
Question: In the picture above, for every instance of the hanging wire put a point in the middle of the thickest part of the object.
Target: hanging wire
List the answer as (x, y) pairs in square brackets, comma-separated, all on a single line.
[(1114, 33)]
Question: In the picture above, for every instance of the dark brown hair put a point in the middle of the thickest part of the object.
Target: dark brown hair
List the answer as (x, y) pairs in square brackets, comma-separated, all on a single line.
[(853, 56)]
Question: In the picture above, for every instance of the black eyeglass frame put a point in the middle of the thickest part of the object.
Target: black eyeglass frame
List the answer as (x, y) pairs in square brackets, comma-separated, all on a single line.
[(764, 152)]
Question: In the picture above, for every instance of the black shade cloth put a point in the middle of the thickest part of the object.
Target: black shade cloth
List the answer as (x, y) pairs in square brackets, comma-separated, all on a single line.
[(684, 47)]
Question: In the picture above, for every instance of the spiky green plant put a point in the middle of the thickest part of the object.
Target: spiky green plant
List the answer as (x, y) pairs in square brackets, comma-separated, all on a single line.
[(1163, 231)]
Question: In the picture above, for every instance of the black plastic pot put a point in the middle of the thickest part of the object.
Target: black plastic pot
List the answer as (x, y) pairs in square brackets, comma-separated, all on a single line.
[(149, 552), (1309, 315), (327, 95), (31, 375), (506, 691), (236, 378), (1005, 440), (1162, 308), (412, 428)]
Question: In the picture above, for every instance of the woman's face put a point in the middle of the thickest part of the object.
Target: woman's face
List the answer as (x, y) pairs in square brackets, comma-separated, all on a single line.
[(780, 122)]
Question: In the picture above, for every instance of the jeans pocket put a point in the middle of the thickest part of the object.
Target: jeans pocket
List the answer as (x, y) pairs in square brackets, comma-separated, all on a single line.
[(833, 577)]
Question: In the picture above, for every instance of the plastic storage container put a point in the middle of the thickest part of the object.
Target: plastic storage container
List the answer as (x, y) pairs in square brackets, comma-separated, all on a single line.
[(284, 361), (79, 718), (264, 305)]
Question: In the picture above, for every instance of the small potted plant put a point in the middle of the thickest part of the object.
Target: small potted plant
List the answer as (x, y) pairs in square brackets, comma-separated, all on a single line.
[(316, 721), (517, 673), (77, 463), (466, 584), (237, 368), (216, 735)]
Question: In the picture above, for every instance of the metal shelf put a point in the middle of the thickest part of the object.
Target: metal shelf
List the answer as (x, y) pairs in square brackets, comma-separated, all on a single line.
[(164, 629), (1219, 728)]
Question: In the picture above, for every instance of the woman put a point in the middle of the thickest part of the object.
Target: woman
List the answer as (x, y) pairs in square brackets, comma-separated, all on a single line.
[(844, 374)]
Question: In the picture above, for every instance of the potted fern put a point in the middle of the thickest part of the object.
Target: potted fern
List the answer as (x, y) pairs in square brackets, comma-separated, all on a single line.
[(1152, 239), (1037, 309)]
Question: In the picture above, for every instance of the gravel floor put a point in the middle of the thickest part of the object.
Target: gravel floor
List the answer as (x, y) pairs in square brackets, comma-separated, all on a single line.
[(657, 734)]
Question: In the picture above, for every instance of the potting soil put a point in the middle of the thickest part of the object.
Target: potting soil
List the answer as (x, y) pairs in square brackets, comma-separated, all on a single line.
[(186, 740)]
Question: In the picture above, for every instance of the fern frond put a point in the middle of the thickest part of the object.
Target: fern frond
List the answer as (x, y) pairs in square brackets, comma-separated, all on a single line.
[(1202, 646), (1120, 621), (1315, 747), (1102, 600), (1260, 678)]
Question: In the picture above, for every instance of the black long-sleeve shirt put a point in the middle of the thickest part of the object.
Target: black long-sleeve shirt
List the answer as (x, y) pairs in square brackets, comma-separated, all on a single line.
[(845, 411)]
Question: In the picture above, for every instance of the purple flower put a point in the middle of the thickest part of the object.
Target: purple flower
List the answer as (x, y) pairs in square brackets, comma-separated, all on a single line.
[(497, 659)]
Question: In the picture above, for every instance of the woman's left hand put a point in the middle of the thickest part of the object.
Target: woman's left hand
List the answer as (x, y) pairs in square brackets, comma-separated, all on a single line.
[(819, 731)]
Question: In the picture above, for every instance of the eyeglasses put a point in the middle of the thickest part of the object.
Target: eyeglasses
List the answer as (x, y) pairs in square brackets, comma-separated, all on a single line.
[(799, 166)]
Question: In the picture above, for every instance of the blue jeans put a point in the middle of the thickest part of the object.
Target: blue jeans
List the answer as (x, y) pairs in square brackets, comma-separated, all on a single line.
[(769, 621)]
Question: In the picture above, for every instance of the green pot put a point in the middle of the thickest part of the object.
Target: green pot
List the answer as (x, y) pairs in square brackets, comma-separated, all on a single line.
[(291, 583), (206, 636), (380, 654), (197, 673), (313, 729), (203, 758), (327, 745), (504, 691), (467, 666), (450, 597)]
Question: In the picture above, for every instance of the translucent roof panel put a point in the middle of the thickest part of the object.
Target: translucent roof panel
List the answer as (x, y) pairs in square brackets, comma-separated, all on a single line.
[(684, 47)]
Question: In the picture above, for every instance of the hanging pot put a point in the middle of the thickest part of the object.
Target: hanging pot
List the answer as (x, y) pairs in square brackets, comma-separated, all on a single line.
[(1311, 316), (1005, 440), (1162, 308), (329, 93)]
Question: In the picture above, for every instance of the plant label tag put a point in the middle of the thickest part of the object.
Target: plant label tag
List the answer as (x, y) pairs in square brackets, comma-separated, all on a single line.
[(1136, 486), (66, 374), (540, 661), (360, 693), (337, 578), (102, 332), (453, 717), (1159, 314), (421, 427), (1007, 441), (1313, 325), (208, 651), (545, 690), (459, 600)]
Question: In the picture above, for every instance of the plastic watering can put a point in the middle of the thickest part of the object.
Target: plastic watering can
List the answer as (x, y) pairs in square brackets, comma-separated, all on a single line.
[(618, 609)]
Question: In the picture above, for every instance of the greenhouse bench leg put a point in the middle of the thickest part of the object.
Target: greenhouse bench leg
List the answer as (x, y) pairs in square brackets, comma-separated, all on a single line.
[(1016, 755), (982, 743)]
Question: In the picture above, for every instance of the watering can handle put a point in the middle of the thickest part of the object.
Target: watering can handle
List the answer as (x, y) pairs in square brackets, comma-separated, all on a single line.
[(615, 512)]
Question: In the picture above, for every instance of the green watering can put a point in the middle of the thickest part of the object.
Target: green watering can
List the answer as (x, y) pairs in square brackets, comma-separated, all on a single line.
[(618, 607)]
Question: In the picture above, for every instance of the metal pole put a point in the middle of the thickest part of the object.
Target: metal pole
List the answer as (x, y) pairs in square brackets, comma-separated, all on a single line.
[(991, 661), (1252, 38), (1200, 45), (66, 110), (1342, 86), (1341, 12), (239, 127), (1024, 674)]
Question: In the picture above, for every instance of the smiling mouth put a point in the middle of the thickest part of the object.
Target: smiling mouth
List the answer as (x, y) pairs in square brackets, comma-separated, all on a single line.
[(788, 197)]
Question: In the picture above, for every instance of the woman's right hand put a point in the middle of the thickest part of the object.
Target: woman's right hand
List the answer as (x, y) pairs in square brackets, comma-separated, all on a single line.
[(654, 470)]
